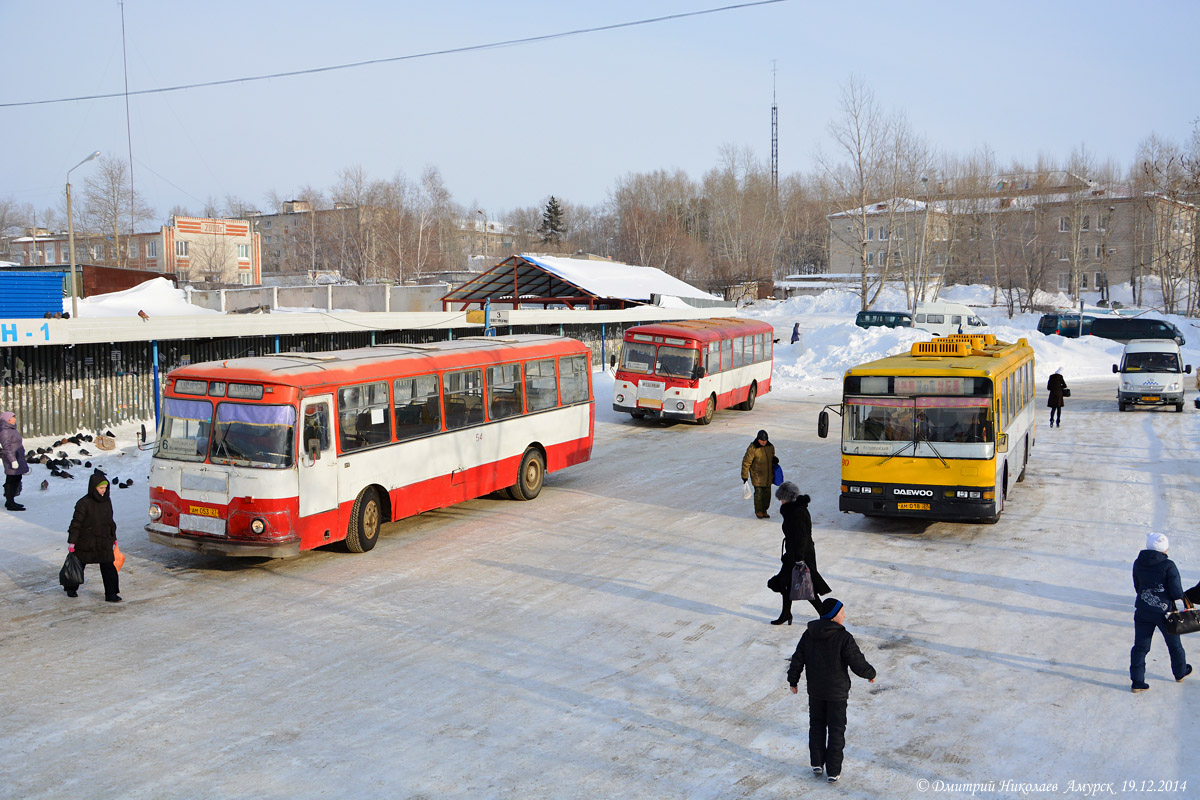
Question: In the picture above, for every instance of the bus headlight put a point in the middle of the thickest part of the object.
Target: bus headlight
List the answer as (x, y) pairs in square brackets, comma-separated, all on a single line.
[(620, 398), (155, 511), (680, 405), (258, 526)]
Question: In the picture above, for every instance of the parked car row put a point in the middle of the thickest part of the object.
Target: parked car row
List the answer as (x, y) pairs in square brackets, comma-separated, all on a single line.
[(1117, 328)]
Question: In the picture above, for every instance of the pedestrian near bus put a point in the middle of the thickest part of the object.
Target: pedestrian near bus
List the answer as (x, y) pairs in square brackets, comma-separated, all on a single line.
[(827, 650), (12, 450), (1056, 388), (1157, 586), (93, 534), (797, 546), (796, 333), (758, 468)]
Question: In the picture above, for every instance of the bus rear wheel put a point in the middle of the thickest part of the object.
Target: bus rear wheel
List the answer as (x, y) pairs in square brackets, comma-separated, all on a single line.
[(748, 405), (530, 476), (365, 518), (710, 411)]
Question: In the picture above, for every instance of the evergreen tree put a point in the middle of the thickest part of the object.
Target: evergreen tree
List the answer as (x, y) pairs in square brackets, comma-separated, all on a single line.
[(552, 228)]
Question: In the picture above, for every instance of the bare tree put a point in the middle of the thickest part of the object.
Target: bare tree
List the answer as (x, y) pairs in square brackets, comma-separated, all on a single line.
[(745, 225), (658, 217), (110, 207)]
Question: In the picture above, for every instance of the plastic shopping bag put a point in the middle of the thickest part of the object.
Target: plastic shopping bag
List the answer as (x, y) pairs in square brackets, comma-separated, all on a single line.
[(71, 574), (118, 557), (747, 490)]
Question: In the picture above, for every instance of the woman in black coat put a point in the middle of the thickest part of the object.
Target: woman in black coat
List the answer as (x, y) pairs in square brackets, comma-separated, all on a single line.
[(797, 546), (1056, 390), (93, 534)]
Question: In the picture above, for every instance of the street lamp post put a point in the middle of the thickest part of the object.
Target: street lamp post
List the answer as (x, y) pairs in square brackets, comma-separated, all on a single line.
[(485, 238), (71, 235), (921, 268)]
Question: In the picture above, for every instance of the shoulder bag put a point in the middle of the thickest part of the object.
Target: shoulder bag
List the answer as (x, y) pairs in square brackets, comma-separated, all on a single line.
[(1186, 621), (802, 585)]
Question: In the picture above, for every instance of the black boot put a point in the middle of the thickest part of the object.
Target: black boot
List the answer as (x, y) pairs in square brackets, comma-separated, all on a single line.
[(12, 505), (783, 619)]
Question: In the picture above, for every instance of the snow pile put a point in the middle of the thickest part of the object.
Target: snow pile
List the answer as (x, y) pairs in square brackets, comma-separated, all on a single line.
[(158, 297)]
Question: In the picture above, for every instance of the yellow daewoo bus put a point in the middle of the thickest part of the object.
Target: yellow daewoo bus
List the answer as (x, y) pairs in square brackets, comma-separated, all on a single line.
[(942, 432)]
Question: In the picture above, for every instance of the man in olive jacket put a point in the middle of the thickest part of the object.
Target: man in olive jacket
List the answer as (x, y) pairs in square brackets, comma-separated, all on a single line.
[(827, 649), (758, 466)]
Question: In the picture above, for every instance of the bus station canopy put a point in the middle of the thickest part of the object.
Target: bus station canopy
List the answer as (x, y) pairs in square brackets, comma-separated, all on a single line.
[(525, 280)]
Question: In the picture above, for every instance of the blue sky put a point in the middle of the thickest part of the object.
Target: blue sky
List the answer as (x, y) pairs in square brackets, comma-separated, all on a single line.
[(507, 127)]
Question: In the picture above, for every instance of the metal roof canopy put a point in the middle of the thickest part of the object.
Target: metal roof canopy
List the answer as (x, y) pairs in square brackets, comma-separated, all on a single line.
[(519, 281)]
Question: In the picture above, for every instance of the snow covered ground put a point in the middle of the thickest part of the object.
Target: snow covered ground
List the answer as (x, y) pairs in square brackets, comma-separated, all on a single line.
[(610, 639)]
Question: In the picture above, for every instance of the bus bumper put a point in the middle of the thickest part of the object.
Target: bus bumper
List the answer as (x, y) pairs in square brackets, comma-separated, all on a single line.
[(686, 415), (958, 511), (215, 546)]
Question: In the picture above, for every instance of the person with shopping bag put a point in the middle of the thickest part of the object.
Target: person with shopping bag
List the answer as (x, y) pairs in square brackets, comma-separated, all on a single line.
[(1056, 390), (758, 470), (92, 536), (1157, 585), (798, 546), (12, 450)]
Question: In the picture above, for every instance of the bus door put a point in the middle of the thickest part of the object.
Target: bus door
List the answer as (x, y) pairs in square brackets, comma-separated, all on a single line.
[(318, 459)]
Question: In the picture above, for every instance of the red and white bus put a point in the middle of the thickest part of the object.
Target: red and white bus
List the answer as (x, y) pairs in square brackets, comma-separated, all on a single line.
[(272, 455), (687, 370)]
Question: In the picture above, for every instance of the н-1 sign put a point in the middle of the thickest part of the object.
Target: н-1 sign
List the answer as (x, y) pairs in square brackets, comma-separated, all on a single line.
[(17, 333)]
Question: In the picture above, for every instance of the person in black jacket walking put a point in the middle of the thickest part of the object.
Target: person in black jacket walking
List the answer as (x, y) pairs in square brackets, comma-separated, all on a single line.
[(1157, 584), (1056, 390), (827, 649), (797, 546), (93, 533)]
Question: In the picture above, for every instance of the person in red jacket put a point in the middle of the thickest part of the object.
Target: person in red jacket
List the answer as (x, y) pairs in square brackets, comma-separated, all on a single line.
[(826, 649)]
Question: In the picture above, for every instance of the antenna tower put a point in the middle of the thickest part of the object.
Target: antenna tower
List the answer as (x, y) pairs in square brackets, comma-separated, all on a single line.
[(774, 136)]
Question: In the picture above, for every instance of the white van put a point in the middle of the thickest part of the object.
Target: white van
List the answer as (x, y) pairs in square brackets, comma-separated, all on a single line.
[(943, 319), (1151, 373)]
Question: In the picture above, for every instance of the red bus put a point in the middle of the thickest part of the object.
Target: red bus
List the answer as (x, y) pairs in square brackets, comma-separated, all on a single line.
[(272, 455), (687, 370)]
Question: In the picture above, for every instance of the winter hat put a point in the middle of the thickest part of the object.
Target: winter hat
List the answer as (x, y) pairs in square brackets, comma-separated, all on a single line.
[(101, 482), (1156, 541), (762, 435), (1058, 371), (830, 607), (7, 416)]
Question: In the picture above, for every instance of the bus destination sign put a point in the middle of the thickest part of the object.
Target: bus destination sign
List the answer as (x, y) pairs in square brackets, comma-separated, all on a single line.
[(932, 385)]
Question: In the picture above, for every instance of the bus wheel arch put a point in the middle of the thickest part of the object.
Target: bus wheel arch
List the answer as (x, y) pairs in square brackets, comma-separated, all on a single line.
[(709, 412), (366, 517), (531, 474), (748, 405)]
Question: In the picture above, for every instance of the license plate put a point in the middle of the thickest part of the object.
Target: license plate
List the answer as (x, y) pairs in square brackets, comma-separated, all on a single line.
[(913, 506), (644, 402), (200, 511), (1151, 399)]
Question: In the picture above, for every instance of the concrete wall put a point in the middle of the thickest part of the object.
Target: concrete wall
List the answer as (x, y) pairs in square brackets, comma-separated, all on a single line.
[(327, 298)]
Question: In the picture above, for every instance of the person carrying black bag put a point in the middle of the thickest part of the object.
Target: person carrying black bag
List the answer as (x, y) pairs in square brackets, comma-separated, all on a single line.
[(1157, 584), (1056, 390), (92, 535), (797, 546)]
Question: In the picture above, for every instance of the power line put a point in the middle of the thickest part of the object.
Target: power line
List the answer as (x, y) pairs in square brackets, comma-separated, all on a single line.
[(393, 59)]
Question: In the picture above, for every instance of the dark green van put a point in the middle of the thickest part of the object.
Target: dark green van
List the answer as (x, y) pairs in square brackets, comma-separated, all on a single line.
[(883, 319), (1126, 329)]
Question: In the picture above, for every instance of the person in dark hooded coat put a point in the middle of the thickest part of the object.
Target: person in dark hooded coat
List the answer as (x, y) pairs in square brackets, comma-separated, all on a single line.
[(798, 545), (827, 650), (1157, 584), (93, 533)]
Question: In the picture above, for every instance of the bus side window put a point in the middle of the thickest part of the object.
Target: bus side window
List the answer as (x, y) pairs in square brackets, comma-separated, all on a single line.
[(464, 398), (574, 379), (541, 385), (417, 406), (363, 418), (504, 391)]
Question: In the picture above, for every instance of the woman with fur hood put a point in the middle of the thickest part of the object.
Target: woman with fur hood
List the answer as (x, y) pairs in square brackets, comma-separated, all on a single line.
[(798, 545)]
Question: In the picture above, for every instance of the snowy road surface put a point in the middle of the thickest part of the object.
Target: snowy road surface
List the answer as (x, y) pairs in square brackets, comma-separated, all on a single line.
[(610, 639)]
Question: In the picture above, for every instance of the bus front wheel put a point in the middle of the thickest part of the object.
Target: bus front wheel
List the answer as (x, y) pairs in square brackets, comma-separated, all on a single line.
[(710, 411), (363, 531), (530, 476)]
